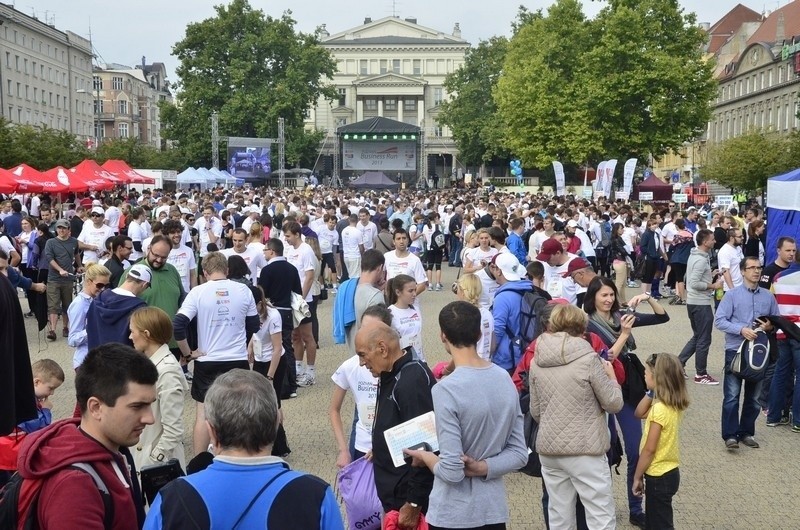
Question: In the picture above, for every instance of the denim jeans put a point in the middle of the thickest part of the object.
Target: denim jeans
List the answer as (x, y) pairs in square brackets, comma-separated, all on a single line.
[(701, 317), (658, 493), (735, 425), (631, 437), (786, 377), (455, 252)]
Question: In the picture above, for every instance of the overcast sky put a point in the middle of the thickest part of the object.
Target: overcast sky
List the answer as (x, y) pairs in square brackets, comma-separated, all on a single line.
[(123, 32)]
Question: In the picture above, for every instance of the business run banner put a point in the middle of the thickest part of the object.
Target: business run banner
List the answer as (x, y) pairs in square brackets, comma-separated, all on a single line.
[(380, 156), (561, 188), (627, 179), (610, 167)]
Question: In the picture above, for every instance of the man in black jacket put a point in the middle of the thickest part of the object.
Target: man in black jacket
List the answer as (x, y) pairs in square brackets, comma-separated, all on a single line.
[(121, 248), (404, 393), (278, 280), (456, 237)]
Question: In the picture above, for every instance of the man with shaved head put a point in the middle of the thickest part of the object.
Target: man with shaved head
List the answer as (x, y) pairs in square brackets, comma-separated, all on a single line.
[(404, 393)]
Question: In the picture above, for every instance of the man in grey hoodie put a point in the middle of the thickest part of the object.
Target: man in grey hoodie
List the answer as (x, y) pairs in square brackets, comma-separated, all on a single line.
[(700, 286)]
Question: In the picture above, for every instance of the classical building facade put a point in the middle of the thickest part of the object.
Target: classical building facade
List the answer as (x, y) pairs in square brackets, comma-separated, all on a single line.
[(126, 101), (45, 74), (393, 68)]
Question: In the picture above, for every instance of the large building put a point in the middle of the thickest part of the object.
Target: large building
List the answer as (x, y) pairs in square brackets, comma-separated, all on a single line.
[(126, 101), (45, 74), (393, 68)]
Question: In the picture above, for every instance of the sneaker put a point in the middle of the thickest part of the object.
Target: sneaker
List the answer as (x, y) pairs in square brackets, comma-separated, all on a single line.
[(306, 380), (732, 443), (65, 332), (188, 375), (438, 287), (705, 379), (51, 335), (795, 428), (430, 287), (685, 375), (751, 442), (638, 520), (633, 284), (780, 422), (292, 394)]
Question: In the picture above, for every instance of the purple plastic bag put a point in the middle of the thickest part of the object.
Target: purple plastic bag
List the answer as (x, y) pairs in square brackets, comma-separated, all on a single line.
[(357, 487)]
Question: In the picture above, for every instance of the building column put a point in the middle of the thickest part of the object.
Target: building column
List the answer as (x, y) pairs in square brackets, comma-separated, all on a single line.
[(380, 107), (359, 109), (420, 111), (399, 109)]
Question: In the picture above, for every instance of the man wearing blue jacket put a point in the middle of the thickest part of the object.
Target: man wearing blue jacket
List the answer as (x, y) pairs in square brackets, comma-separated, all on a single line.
[(508, 272), (108, 319)]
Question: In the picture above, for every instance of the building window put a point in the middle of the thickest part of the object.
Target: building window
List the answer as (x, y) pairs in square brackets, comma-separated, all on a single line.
[(97, 82), (341, 122), (384, 66), (123, 130), (16, 62), (363, 67), (437, 131), (780, 74), (371, 104), (437, 96), (123, 106), (116, 83), (8, 59), (33, 69), (409, 104), (10, 86), (98, 106), (36, 94), (342, 97), (390, 104), (396, 66), (417, 67), (25, 63), (98, 130)]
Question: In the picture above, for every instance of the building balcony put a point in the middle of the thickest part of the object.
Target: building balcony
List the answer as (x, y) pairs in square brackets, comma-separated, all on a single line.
[(107, 116)]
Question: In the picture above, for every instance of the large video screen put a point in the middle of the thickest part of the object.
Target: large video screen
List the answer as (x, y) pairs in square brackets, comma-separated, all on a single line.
[(379, 156), (248, 162)]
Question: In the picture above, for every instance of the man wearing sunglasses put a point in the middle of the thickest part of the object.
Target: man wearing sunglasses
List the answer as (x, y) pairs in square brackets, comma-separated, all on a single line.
[(94, 236)]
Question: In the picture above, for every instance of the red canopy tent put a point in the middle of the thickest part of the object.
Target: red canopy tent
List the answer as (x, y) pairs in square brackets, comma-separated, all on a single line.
[(122, 170), (58, 179), (29, 180), (8, 183), (91, 170)]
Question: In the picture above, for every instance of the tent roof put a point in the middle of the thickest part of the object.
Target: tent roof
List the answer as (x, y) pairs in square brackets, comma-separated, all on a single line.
[(788, 177), (375, 180), (379, 125), (652, 182)]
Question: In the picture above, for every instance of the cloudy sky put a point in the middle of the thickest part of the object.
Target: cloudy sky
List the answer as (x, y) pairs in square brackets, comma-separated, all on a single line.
[(123, 32)]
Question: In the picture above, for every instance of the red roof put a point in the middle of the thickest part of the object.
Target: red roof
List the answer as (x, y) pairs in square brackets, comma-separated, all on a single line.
[(722, 30), (768, 31)]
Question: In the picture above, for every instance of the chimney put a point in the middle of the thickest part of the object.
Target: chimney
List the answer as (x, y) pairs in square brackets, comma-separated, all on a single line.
[(705, 26), (323, 31), (143, 63), (367, 20), (780, 29), (457, 31)]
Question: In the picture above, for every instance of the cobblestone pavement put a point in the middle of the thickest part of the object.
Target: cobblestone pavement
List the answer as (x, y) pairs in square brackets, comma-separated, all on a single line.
[(747, 489)]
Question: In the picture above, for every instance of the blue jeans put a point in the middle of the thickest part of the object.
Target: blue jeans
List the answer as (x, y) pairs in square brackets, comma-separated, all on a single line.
[(455, 252), (735, 425), (787, 369), (631, 437), (701, 317), (658, 493)]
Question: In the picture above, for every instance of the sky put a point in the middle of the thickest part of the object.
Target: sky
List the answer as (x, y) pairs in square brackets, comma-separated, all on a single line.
[(124, 32)]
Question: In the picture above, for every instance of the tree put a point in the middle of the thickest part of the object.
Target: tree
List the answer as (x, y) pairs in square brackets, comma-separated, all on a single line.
[(140, 155), (251, 69), (42, 148), (747, 161), (472, 114)]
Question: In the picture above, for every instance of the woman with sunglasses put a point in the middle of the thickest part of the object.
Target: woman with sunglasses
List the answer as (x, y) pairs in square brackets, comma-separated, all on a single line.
[(613, 327), (96, 279)]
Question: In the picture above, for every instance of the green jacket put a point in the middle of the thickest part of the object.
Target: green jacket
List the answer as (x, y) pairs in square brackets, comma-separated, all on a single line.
[(165, 292)]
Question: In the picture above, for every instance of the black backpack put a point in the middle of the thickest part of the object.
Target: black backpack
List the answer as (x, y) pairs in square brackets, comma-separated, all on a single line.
[(531, 302), (12, 513), (437, 239)]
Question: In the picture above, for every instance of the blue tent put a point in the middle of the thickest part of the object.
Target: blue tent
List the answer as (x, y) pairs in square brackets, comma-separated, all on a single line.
[(783, 210)]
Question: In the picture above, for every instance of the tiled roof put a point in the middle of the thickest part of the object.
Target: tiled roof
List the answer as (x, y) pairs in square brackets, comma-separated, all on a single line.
[(721, 31), (768, 32)]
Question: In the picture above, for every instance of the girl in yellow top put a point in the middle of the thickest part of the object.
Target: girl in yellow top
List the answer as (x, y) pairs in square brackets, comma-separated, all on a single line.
[(662, 407)]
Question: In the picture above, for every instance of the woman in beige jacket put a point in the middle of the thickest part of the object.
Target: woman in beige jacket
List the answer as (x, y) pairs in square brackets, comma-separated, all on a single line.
[(151, 331), (571, 391)]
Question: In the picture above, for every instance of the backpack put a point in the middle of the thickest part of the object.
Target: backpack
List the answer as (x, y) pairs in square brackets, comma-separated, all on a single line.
[(634, 387), (437, 239), (752, 357), (605, 234), (19, 500), (531, 302)]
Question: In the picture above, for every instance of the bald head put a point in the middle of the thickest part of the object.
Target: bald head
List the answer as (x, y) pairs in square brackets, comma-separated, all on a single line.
[(377, 346)]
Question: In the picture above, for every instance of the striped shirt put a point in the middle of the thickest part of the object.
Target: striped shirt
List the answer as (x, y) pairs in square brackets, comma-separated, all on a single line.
[(786, 287)]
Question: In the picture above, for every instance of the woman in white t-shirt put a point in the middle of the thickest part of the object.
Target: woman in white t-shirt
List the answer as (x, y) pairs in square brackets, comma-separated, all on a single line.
[(416, 237), (479, 257), (401, 292), (469, 289), (265, 352), (357, 379)]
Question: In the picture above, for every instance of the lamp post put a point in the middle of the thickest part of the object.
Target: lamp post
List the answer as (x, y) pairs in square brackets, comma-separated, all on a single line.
[(96, 118)]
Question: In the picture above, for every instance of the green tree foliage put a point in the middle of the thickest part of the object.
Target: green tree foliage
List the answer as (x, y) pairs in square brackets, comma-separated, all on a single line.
[(139, 155), (251, 68), (630, 82), (747, 161), (472, 114), (40, 147)]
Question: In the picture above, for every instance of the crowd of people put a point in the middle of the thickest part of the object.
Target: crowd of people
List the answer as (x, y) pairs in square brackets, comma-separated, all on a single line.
[(213, 295)]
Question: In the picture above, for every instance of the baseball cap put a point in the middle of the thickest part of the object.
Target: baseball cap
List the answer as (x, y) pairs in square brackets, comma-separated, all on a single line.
[(96, 202), (572, 223), (549, 247), (99, 210), (140, 272), (509, 265), (62, 223), (575, 265)]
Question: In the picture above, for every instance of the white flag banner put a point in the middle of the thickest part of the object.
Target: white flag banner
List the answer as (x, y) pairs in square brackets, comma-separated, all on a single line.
[(561, 188), (611, 166), (600, 179), (627, 180)]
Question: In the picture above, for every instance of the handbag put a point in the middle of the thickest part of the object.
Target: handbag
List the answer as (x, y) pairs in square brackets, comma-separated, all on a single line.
[(752, 357), (634, 387), (356, 485), (300, 310)]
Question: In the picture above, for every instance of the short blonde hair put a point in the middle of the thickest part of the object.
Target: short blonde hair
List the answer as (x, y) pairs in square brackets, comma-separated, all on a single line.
[(569, 319), (472, 288), (95, 271), (47, 370)]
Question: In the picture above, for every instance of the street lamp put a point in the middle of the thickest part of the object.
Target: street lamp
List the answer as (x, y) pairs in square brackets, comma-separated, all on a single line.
[(96, 118)]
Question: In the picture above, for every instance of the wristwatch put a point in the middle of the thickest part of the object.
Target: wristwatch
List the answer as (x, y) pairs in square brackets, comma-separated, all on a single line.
[(649, 394)]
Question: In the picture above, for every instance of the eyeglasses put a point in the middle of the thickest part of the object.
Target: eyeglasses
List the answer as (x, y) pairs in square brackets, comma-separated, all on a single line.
[(753, 268), (156, 256), (652, 359), (100, 286), (97, 215)]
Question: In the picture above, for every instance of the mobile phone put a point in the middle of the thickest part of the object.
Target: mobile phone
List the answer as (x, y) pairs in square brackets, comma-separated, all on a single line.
[(630, 310), (422, 446), (604, 354)]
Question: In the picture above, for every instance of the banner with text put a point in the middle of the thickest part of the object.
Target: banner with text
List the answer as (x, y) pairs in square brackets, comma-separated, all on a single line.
[(561, 188), (611, 166), (379, 156), (600, 178), (627, 178)]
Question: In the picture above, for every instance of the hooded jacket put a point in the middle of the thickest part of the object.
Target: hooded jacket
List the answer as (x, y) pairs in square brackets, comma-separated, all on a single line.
[(698, 278), (506, 312), (108, 318), (570, 393), (69, 498)]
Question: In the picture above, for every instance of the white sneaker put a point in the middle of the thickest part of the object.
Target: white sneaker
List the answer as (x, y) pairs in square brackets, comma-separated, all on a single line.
[(306, 380)]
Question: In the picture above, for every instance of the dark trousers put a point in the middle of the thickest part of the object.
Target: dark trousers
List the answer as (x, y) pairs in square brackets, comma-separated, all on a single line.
[(280, 447), (314, 321), (498, 526), (455, 252), (658, 493), (290, 380), (701, 317), (603, 263)]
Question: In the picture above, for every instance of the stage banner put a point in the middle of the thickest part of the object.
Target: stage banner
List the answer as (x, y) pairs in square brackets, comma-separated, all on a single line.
[(380, 156), (561, 188)]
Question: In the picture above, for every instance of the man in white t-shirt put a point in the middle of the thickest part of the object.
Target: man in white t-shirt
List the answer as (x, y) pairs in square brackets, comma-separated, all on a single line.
[(539, 237), (556, 262), (226, 319), (352, 247), (253, 256), (729, 257), (112, 216), (180, 256), (301, 255), (137, 233), (94, 236), (368, 229), (401, 261)]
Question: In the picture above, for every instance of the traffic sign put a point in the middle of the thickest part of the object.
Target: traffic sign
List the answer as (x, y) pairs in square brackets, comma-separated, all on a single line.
[(724, 200)]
